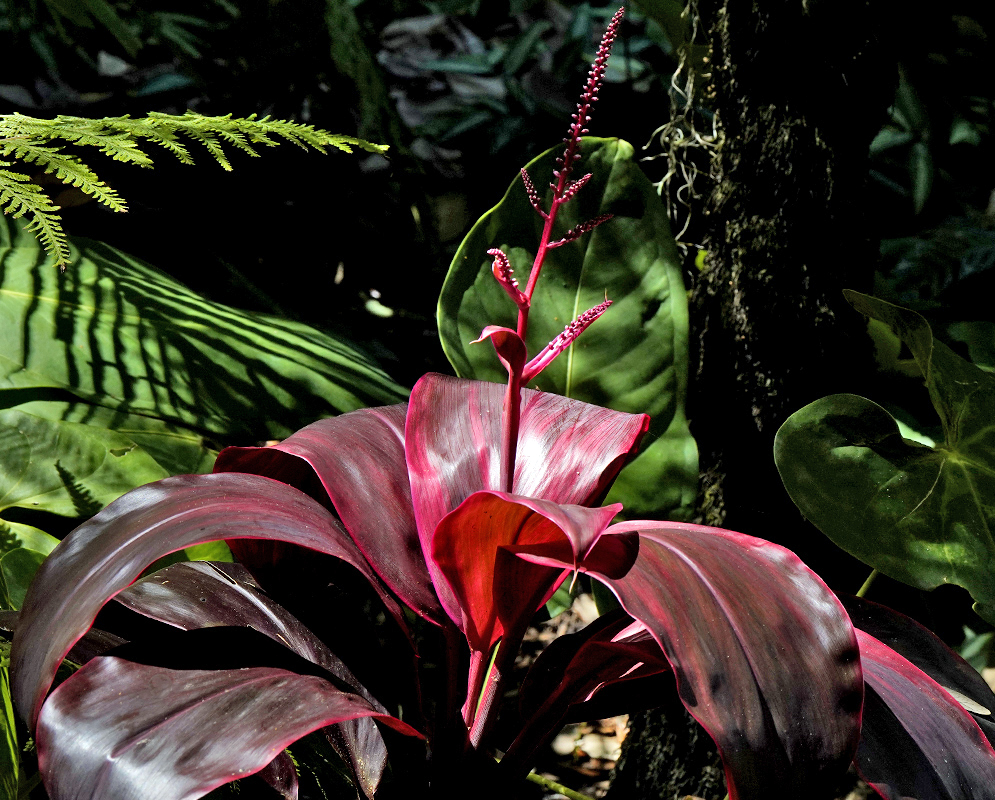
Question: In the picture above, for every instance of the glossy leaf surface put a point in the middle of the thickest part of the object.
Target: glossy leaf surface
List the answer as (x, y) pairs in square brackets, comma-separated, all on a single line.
[(123, 731), (199, 594), (573, 668), (474, 547), (107, 553), (927, 651), (568, 452), (916, 740), (916, 513), (121, 376), (17, 568), (356, 459), (634, 359), (749, 631)]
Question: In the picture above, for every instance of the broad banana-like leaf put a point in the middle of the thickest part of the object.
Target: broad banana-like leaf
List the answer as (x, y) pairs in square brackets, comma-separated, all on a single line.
[(113, 375)]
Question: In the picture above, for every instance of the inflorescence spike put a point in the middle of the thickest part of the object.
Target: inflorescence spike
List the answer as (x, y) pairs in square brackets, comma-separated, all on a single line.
[(579, 230), (563, 341), (588, 98), (530, 190)]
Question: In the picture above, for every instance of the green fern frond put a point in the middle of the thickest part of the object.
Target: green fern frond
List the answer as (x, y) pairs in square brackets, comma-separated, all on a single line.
[(19, 196), (68, 169), (29, 140)]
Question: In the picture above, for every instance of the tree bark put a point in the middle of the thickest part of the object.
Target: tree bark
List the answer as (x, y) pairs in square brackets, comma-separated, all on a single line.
[(799, 89)]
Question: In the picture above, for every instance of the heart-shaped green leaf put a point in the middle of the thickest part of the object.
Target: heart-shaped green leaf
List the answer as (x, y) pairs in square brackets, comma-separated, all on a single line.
[(923, 515), (634, 358)]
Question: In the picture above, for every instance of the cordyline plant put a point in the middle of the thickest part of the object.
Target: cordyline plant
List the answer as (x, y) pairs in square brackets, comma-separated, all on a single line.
[(468, 506)]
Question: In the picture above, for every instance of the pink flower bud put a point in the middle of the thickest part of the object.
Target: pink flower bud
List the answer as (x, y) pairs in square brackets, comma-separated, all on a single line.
[(505, 275)]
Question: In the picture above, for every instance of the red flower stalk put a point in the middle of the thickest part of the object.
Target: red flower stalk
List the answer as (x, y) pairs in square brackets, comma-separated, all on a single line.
[(510, 345)]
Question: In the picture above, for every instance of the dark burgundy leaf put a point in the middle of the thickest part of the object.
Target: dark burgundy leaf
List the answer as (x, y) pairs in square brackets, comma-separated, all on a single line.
[(358, 460), (568, 452), (571, 670), (118, 730), (105, 554), (764, 655), (94, 643), (281, 775), (471, 547), (924, 649), (202, 594), (917, 741)]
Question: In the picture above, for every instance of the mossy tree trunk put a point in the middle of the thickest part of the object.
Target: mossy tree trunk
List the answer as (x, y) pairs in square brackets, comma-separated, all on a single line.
[(800, 89)]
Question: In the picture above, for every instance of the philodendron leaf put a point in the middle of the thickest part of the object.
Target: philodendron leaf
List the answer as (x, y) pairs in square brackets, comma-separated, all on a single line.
[(923, 515), (634, 359)]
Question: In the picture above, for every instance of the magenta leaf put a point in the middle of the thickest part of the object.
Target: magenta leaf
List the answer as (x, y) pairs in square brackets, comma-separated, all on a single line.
[(508, 345), (281, 775), (117, 729), (201, 594), (105, 554), (610, 650), (917, 740), (764, 655), (475, 548), (928, 652), (568, 452), (357, 459)]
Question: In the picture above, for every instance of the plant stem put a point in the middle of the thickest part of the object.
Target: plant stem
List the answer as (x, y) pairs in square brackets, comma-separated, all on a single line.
[(559, 788), (867, 584), (509, 432), (501, 666)]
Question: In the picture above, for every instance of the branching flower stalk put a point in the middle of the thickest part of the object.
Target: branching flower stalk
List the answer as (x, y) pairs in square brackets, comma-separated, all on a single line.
[(513, 353)]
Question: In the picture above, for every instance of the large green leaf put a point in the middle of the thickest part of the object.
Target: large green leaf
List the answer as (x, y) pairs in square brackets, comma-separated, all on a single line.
[(634, 358), (10, 761), (113, 375), (923, 515)]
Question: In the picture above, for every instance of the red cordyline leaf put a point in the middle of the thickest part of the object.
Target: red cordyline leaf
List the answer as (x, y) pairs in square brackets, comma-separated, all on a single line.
[(117, 730), (281, 775), (764, 655), (475, 547), (927, 652), (568, 452), (611, 650), (104, 555), (201, 594), (917, 740), (357, 461)]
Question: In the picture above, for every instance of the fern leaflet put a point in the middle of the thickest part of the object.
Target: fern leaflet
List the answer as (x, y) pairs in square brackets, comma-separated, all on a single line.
[(29, 141)]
